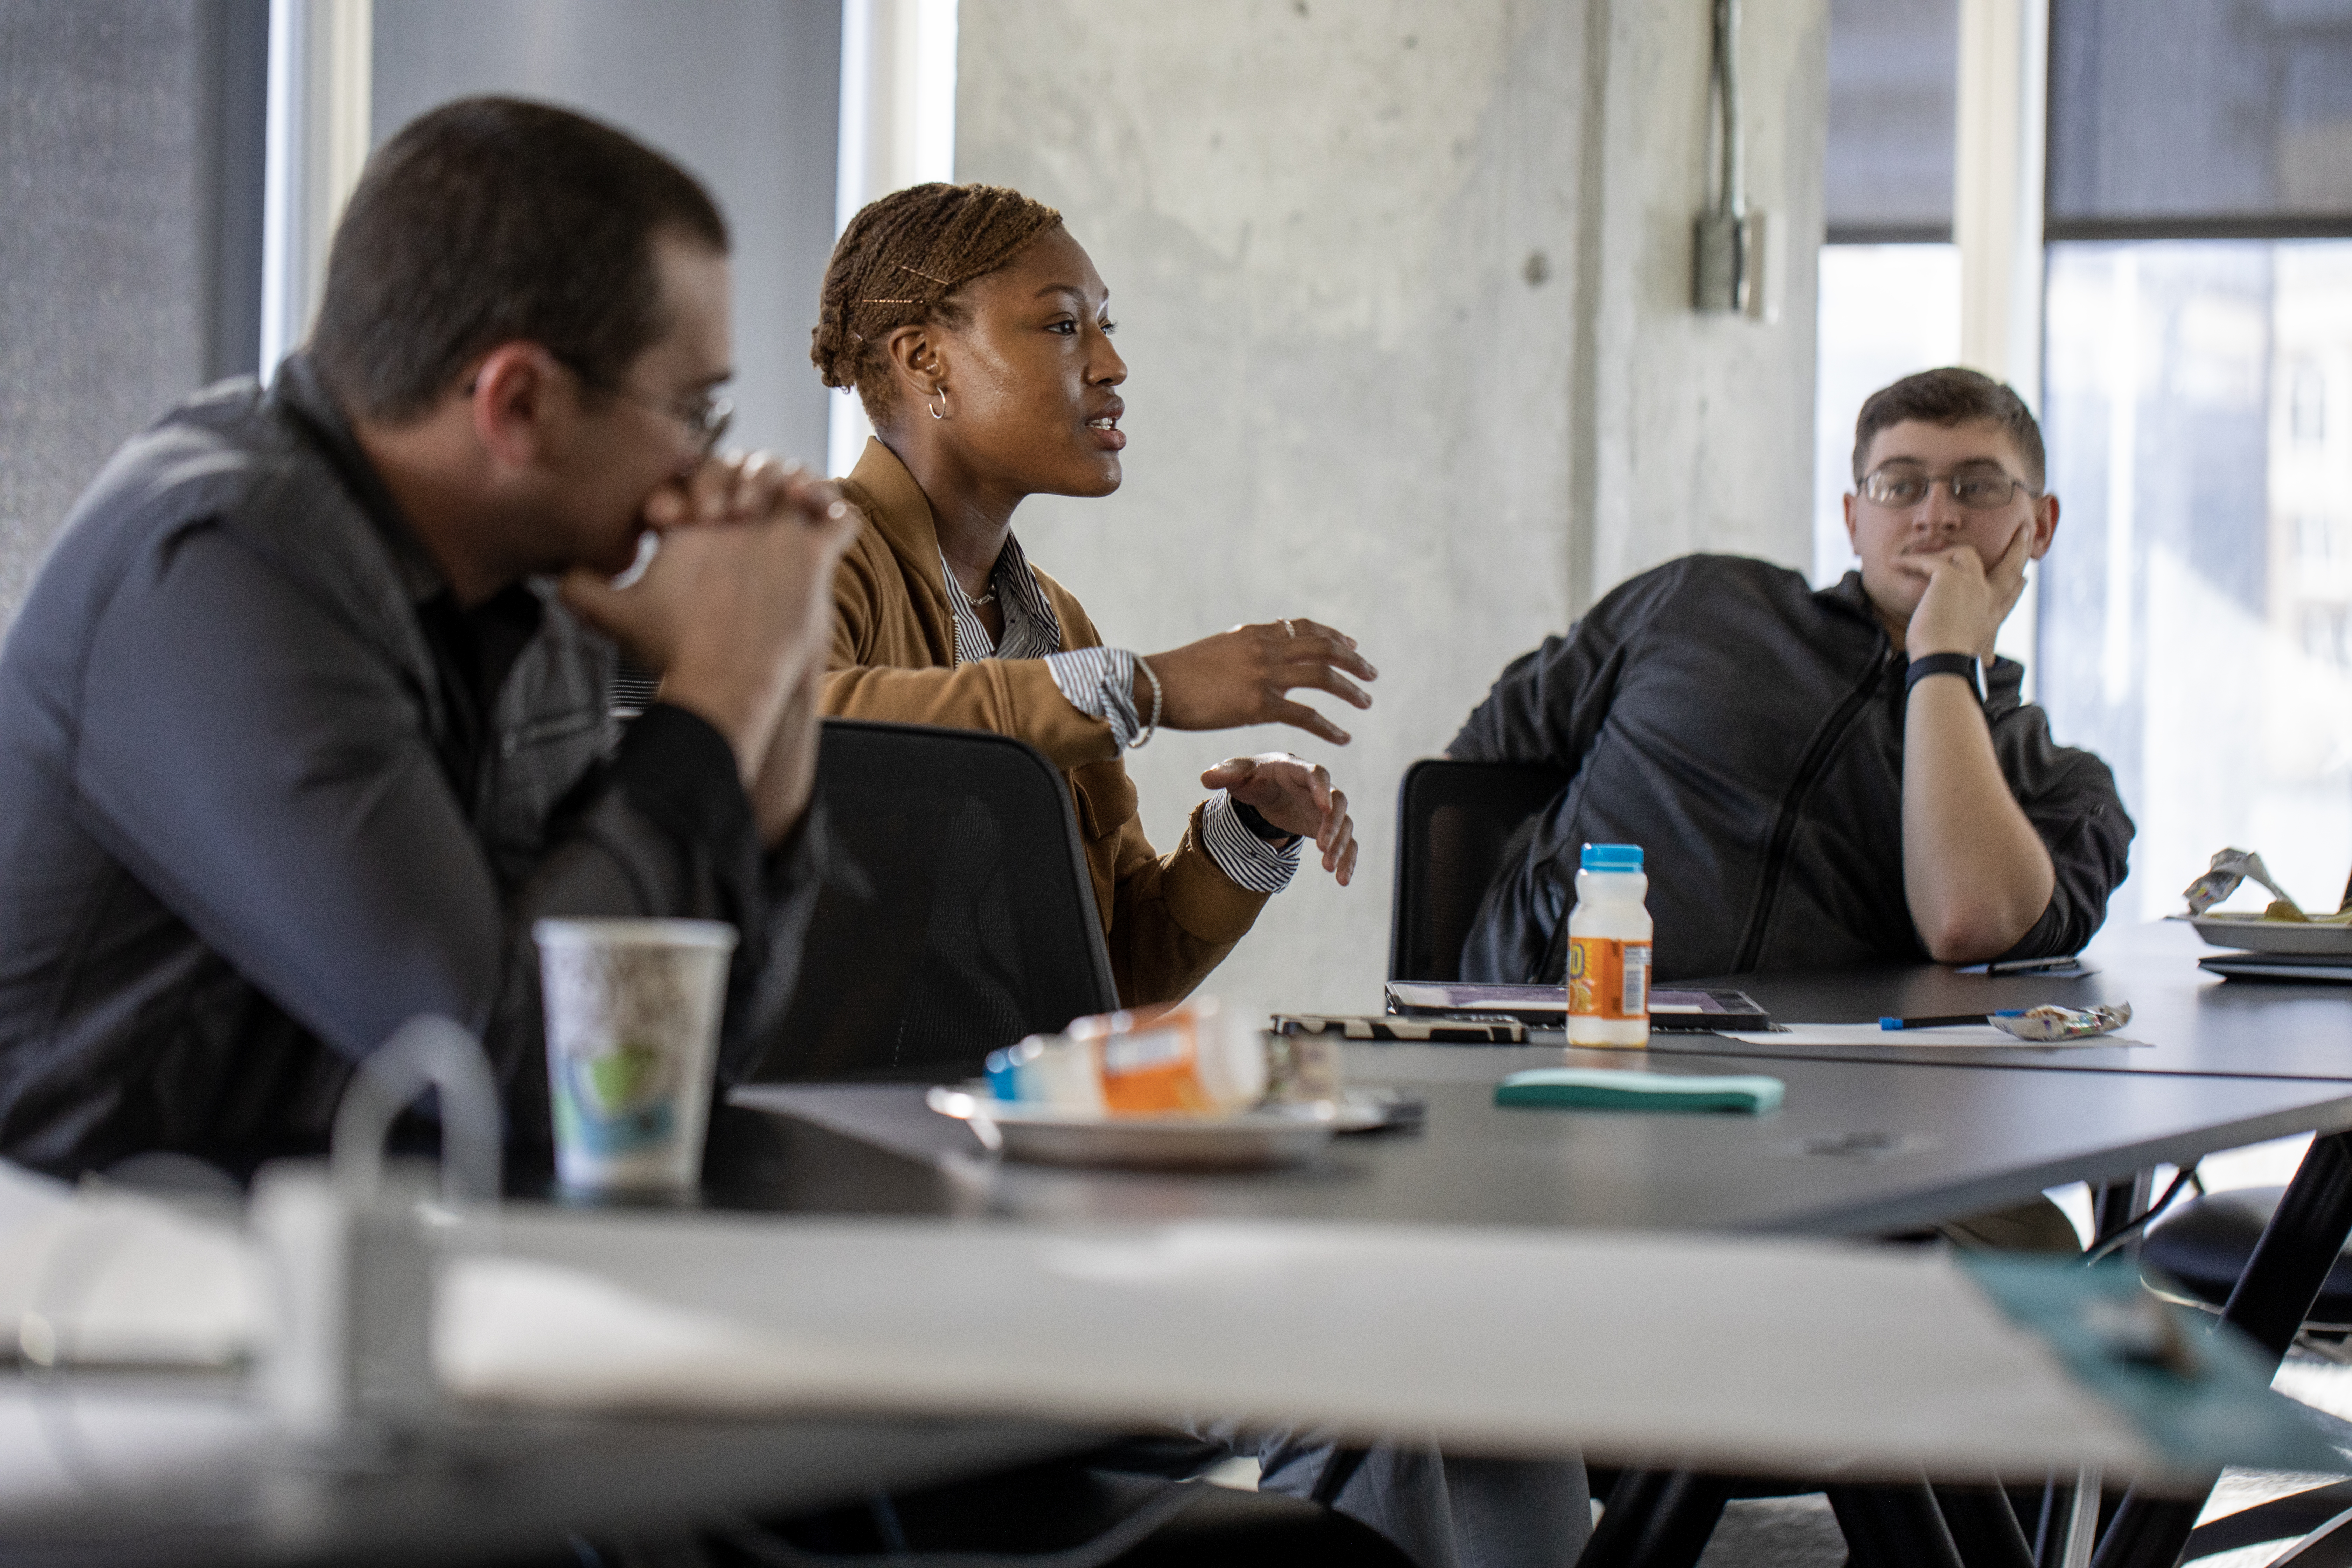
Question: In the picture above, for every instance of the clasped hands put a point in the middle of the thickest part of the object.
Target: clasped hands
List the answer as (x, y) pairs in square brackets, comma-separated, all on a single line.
[(1965, 601), (736, 611)]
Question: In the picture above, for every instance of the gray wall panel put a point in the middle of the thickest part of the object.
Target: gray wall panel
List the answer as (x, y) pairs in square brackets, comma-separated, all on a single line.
[(742, 92), (106, 291)]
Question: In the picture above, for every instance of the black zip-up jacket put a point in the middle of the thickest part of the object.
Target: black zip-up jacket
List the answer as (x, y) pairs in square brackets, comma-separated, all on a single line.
[(266, 792), (1747, 730)]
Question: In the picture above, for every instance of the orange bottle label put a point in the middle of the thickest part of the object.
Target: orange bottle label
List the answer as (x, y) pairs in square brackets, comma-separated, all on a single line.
[(1153, 1071), (1608, 977)]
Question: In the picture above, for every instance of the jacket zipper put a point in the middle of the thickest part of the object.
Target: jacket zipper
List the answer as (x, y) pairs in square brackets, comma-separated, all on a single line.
[(1809, 767)]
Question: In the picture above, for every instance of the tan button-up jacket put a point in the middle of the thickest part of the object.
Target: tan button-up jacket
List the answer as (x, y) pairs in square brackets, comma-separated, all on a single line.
[(1167, 919)]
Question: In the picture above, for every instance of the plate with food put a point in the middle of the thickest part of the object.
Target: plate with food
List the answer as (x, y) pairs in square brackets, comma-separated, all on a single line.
[(2267, 933), (2282, 927), (1264, 1138)]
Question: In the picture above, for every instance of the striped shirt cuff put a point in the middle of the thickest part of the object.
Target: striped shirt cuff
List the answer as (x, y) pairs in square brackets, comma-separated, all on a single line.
[(1100, 684), (1249, 860)]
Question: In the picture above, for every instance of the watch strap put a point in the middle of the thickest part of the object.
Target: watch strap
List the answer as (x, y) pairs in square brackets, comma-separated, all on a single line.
[(1964, 664), (1254, 820)]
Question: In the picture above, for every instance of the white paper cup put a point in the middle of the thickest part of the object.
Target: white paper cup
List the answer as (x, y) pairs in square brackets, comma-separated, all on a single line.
[(633, 1011)]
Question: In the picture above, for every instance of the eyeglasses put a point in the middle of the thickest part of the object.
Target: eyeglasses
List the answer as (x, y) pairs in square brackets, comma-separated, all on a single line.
[(1908, 484), (704, 419)]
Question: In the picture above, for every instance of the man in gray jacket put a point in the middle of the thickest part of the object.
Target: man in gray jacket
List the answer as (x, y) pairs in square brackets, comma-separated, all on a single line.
[(1821, 778), (305, 719)]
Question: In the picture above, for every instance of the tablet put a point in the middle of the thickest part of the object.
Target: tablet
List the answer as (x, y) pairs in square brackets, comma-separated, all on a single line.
[(1691, 1012)]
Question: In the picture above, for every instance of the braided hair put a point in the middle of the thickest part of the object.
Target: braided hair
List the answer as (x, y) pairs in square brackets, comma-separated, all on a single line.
[(900, 263)]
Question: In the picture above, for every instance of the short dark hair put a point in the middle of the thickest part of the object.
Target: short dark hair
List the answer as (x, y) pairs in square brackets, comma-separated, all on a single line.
[(489, 220), (1951, 396)]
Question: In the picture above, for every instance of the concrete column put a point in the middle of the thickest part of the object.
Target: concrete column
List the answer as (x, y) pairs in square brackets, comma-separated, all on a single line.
[(1700, 426), (1403, 287)]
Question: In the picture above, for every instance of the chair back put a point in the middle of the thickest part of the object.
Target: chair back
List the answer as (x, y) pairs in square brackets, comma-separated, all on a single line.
[(958, 915), (1457, 825)]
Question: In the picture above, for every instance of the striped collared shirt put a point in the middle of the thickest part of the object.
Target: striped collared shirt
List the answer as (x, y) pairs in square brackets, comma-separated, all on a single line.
[(1100, 683)]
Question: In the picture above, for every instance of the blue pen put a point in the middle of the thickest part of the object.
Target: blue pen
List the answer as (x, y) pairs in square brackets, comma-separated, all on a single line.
[(1948, 1019)]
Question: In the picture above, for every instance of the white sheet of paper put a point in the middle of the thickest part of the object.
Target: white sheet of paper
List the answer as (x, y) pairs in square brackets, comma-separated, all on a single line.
[(1977, 1035)]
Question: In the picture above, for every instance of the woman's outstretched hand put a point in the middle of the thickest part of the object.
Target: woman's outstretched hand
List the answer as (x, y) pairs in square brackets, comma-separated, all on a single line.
[(1241, 677), (1297, 797)]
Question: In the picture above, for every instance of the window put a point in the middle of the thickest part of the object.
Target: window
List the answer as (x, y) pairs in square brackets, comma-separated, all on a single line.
[(2187, 118), (2197, 617), (1890, 277), (1885, 311)]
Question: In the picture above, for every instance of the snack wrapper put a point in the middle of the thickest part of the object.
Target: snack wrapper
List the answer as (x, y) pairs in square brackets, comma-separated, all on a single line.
[(2229, 868), (2050, 1022)]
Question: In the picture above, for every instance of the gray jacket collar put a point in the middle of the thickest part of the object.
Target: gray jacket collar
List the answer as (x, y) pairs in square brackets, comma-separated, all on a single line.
[(302, 396)]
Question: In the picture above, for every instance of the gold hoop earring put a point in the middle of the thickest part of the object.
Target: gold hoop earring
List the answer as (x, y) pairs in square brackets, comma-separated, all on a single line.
[(942, 411)]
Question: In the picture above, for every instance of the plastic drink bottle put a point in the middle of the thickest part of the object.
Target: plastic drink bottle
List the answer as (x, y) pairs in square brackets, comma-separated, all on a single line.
[(1609, 949), (1192, 1058)]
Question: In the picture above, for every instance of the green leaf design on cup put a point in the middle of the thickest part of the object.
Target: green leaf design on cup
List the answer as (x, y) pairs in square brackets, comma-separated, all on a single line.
[(622, 1076)]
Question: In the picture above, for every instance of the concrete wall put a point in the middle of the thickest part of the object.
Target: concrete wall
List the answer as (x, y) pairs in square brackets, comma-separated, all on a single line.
[(1702, 425), (1400, 285)]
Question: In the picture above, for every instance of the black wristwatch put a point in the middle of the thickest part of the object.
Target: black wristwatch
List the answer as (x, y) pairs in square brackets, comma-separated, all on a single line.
[(1964, 664), (1254, 820)]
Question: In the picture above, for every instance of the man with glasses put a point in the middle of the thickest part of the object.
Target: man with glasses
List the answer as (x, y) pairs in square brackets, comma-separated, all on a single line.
[(305, 719), (1821, 778)]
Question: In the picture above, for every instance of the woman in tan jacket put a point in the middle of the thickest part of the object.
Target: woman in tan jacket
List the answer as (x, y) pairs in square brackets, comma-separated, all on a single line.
[(977, 334)]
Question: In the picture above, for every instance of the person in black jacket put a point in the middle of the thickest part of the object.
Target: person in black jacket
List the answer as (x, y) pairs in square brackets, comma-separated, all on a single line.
[(1828, 777), (298, 735)]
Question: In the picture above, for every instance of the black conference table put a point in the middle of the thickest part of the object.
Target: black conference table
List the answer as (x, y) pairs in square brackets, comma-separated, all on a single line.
[(1858, 1149), (2191, 1021), (492, 1488)]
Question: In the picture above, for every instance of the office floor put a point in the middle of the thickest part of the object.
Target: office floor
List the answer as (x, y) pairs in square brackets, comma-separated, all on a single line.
[(1777, 1533)]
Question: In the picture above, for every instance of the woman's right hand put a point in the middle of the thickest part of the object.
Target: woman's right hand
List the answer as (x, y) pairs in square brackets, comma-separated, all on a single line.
[(1241, 677)]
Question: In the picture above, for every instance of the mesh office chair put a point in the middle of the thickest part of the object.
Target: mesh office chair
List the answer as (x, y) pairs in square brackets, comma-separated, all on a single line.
[(958, 916), (1457, 825)]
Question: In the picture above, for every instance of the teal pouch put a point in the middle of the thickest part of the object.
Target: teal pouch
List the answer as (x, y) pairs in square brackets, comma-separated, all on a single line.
[(1622, 1088)]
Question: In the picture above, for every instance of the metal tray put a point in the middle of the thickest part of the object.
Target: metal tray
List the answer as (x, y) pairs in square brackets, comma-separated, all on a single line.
[(1264, 1138), (2255, 934)]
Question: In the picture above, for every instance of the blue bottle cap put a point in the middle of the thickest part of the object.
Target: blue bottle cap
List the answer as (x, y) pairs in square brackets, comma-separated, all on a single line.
[(1613, 858), (1004, 1075)]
